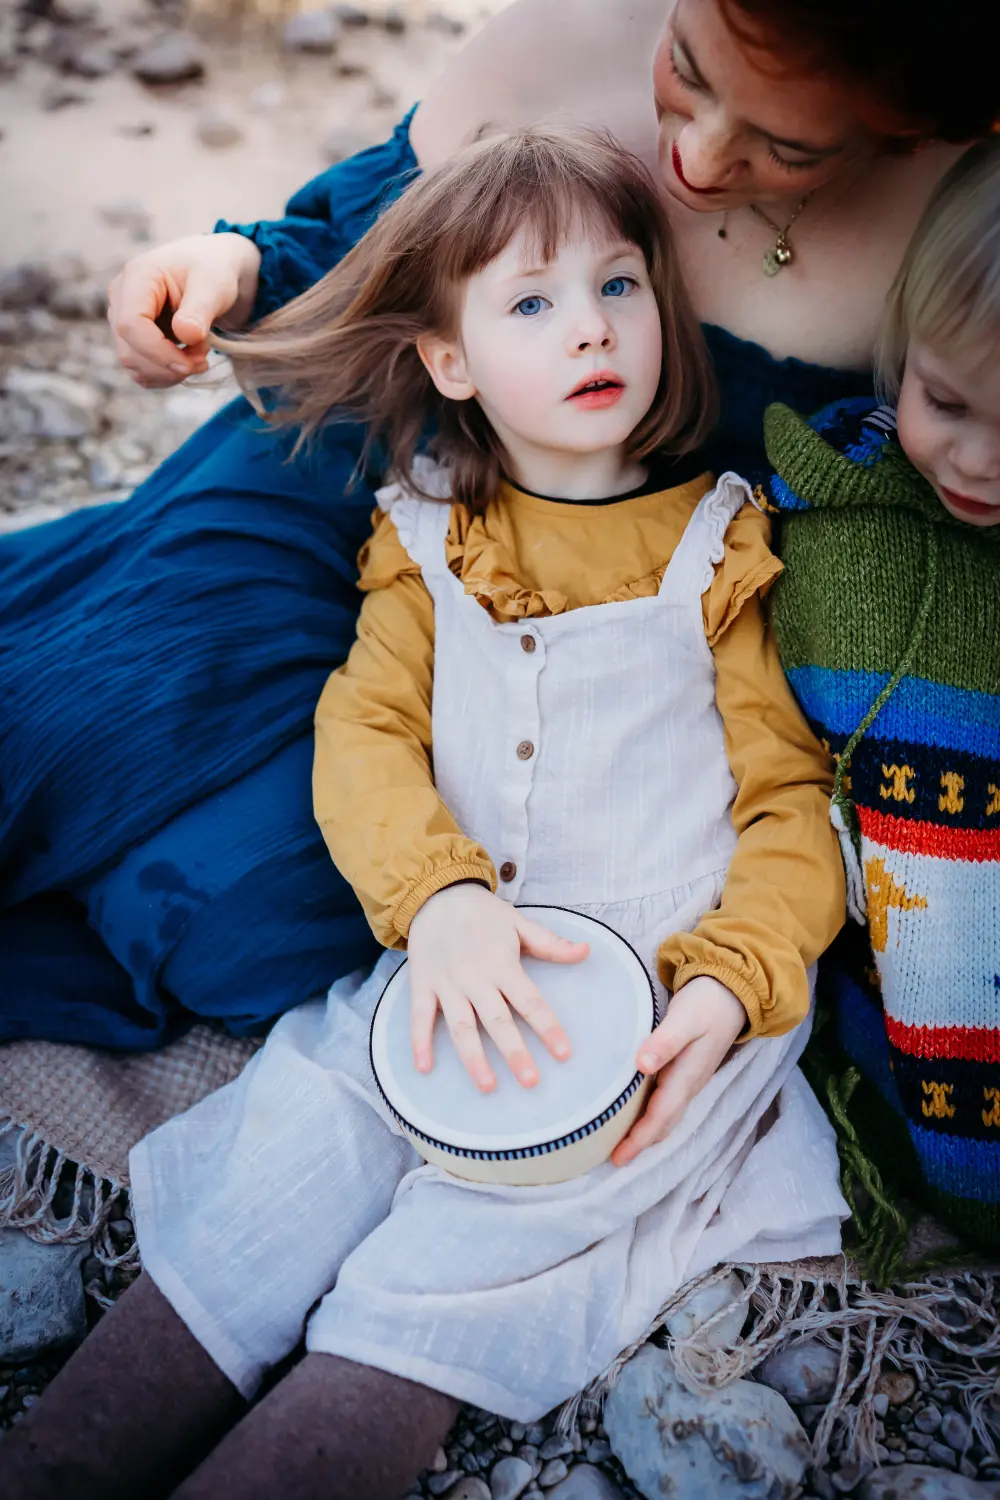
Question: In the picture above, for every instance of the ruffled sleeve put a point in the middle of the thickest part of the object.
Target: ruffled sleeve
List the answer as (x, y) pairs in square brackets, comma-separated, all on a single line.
[(784, 898), (389, 832), (326, 218)]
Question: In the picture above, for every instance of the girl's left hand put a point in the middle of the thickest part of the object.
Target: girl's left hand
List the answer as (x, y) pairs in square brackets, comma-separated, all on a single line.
[(703, 1021)]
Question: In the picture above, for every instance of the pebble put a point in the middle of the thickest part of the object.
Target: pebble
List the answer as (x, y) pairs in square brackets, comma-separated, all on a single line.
[(880, 1403), (215, 128), (917, 1482), (586, 1483), (940, 1453), (469, 1488), (898, 1385), (510, 1478), (130, 214), (41, 1297), (439, 1462), (394, 21), (174, 57), (697, 1309), (517, 1432), (552, 1473), (535, 1433), (529, 1453), (440, 21), (29, 284), (556, 1446), (84, 299), (351, 15), (90, 60), (928, 1419), (598, 1451), (440, 1484), (804, 1373), (59, 408), (745, 1434), (920, 1439), (312, 31), (849, 1476), (955, 1431)]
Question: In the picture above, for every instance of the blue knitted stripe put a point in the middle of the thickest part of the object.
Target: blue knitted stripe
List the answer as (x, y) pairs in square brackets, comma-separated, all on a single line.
[(861, 1034), (920, 712), (959, 1166)]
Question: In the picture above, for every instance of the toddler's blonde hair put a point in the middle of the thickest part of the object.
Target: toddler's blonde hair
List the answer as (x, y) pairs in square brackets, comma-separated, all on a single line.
[(947, 291)]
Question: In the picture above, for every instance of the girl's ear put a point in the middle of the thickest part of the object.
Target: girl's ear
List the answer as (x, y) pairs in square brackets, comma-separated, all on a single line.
[(444, 361)]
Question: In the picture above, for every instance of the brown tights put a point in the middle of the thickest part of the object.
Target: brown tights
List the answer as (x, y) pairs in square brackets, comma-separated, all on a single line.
[(141, 1405)]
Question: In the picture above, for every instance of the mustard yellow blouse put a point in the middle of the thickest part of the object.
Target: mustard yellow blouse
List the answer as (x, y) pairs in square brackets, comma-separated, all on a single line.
[(527, 557)]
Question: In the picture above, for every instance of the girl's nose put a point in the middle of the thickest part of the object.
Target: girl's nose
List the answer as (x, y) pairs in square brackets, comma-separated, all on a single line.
[(593, 330), (978, 456)]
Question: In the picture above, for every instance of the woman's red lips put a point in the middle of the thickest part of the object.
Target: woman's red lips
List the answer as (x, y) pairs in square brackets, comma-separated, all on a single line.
[(970, 506), (602, 389), (675, 157)]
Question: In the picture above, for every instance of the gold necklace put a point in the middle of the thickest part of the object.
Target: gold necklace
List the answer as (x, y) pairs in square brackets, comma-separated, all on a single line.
[(780, 254)]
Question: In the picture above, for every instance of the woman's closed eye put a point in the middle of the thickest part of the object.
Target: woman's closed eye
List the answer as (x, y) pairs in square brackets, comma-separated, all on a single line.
[(619, 286), (530, 307)]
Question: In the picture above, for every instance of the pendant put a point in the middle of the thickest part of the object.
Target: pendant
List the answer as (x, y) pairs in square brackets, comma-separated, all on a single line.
[(777, 257)]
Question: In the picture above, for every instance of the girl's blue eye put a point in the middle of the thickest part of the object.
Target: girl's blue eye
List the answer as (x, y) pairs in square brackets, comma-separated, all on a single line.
[(618, 286), (530, 307)]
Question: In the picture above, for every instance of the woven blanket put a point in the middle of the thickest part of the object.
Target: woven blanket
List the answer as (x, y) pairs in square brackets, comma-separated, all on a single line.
[(83, 1108)]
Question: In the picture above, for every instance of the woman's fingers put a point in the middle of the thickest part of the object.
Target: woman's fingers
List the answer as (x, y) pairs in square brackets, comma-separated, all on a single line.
[(539, 942)]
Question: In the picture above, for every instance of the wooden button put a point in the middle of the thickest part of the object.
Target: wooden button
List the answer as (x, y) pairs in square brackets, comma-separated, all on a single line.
[(528, 643), (525, 750), (508, 870)]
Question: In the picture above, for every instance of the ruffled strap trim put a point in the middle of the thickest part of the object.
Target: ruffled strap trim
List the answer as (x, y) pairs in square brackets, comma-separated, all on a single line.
[(408, 505)]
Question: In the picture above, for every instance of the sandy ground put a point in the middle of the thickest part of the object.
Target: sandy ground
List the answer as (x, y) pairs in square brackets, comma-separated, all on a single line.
[(60, 170)]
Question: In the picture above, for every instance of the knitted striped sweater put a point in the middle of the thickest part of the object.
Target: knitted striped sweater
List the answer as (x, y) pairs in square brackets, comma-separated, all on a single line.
[(887, 618)]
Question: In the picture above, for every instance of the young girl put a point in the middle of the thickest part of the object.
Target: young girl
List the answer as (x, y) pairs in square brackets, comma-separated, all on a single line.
[(562, 691), (888, 619)]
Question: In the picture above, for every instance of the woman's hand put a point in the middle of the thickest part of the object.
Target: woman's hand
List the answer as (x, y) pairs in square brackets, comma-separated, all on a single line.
[(206, 279), (465, 948), (703, 1021)]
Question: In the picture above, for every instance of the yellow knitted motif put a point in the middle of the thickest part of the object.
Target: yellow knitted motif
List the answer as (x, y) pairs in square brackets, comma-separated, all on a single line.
[(884, 891), (939, 1107), (991, 1116), (953, 785), (900, 790), (993, 805)]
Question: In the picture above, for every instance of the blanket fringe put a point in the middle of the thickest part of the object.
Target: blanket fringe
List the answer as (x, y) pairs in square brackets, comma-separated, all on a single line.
[(57, 1202), (872, 1330)]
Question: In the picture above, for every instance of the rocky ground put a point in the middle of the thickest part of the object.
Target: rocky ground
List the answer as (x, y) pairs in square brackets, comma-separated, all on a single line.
[(123, 122)]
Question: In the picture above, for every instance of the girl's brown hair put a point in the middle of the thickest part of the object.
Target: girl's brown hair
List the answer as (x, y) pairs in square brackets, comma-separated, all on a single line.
[(348, 346)]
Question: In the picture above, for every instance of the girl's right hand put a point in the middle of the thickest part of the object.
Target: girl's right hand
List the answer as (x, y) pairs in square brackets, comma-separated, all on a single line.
[(465, 947), (206, 279)]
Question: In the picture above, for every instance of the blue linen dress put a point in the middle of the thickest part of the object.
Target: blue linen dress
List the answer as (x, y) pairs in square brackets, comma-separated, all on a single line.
[(160, 662)]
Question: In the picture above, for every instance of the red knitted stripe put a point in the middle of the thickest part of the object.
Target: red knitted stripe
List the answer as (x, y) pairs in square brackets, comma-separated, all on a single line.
[(910, 836), (968, 1043)]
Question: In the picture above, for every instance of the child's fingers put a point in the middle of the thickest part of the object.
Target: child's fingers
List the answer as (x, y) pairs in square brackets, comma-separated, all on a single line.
[(495, 1016), (665, 1042), (667, 1103), (423, 1014), (527, 1000), (463, 1028), (539, 942)]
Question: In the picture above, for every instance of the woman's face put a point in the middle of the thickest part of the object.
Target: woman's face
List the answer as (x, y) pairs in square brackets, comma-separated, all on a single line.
[(732, 134)]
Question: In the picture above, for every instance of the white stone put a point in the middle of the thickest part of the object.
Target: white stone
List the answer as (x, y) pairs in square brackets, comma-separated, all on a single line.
[(586, 1483), (174, 57), (41, 1296), (343, 142), (919, 1482), (312, 31), (686, 1319), (217, 129), (61, 408), (805, 1372), (470, 1487), (743, 1440), (510, 1477)]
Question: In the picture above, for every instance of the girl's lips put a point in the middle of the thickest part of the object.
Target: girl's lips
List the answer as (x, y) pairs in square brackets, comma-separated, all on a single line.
[(970, 507), (610, 390), (675, 157)]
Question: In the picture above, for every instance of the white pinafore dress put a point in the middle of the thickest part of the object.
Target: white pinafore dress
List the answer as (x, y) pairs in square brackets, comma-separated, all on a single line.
[(289, 1201)]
